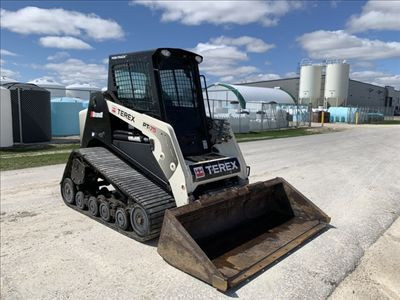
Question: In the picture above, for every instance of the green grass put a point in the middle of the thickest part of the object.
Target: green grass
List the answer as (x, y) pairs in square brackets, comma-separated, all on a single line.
[(387, 122), (32, 161), (21, 157), (38, 148), (273, 134)]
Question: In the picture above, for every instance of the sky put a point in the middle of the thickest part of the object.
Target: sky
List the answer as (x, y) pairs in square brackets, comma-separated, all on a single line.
[(241, 41)]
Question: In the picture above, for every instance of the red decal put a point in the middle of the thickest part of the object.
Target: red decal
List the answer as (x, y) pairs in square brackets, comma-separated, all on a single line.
[(113, 109), (199, 172)]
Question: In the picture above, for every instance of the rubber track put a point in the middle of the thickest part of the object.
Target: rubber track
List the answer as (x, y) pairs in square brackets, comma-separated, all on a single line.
[(132, 184)]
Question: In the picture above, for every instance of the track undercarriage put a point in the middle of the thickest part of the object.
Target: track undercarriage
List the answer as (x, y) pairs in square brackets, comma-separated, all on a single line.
[(100, 185)]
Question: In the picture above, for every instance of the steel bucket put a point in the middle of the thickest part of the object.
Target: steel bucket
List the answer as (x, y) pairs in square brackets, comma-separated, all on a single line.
[(225, 238)]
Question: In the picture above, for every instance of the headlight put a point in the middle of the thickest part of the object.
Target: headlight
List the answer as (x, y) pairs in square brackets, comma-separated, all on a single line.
[(199, 59), (166, 53)]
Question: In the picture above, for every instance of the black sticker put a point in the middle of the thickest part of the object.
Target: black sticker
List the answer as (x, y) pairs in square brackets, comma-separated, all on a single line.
[(208, 170)]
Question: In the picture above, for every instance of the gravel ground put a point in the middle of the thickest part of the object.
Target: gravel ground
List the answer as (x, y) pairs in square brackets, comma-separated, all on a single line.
[(50, 251)]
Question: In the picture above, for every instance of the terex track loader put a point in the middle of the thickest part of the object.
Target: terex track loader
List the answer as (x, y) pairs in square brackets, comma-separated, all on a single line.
[(152, 161)]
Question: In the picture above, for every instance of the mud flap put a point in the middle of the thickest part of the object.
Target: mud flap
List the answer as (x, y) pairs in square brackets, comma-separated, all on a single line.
[(225, 238)]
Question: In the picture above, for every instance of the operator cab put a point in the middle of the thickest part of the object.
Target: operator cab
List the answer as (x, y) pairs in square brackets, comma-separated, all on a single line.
[(165, 84)]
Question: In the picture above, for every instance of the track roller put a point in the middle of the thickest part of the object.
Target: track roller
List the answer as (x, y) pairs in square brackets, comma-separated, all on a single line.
[(93, 206), (80, 200), (122, 218), (104, 210)]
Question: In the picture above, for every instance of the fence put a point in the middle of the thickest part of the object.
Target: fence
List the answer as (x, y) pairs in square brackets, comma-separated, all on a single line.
[(258, 116)]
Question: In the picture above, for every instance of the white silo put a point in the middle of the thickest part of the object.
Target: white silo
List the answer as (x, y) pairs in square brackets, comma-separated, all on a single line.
[(336, 83), (310, 84), (56, 89), (81, 91)]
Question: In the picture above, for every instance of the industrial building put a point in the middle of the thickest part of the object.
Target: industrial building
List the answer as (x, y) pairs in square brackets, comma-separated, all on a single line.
[(249, 108), (333, 88)]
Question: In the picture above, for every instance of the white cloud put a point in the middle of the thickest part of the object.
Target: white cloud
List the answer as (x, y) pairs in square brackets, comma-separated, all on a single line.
[(377, 77), (392, 80), (63, 42), (266, 13), (4, 52), (75, 70), (58, 21), (253, 77), (362, 64), (9, 73), (376, 15), (228, 78), (340, 44), (45, 78), (366, 74), (222, 60), (225, 57), (252, 44), (291, 74), (260, 77), (213, 54), (58, 55)]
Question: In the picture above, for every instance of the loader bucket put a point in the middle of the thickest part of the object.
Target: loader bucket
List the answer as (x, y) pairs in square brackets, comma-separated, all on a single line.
[(225, 238)]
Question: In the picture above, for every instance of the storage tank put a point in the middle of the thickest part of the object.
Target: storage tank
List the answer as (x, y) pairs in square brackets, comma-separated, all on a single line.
[(81, 91), (30, 106), (343, 114), (56, 89), (336, 83), (6, 129), (310, 85), (65, 115)]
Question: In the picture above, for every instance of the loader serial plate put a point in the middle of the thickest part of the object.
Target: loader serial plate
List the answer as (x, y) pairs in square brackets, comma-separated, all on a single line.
[(208, 170)]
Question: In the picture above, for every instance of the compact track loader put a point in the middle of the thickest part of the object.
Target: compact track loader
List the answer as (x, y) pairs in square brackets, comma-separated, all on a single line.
[(152, 163)]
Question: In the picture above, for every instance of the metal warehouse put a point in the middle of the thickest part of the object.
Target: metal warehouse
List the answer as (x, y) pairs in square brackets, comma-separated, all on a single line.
[(312, 87), (247, 96)]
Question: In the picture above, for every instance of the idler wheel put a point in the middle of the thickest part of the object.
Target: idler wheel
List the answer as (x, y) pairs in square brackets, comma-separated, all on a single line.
[(68, 190), (140, 220)]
